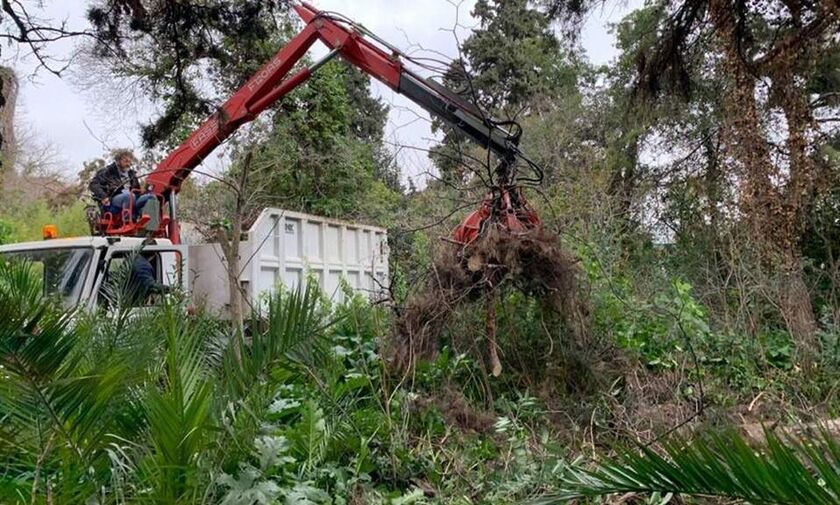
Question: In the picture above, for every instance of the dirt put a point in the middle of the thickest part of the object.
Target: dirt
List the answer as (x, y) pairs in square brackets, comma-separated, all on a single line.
[(532, 262), (456, 410), (652, 404)]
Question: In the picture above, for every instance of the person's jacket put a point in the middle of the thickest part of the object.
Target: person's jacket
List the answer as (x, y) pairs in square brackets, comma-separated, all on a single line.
[(142, 281), (110, 181)]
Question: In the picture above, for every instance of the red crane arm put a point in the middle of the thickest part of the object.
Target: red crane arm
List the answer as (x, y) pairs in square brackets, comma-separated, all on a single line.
[(271, 83), (357, 50), (239, 109)]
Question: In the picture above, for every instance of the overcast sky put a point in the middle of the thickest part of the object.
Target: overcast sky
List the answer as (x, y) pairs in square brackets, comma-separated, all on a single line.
[(78, 124)]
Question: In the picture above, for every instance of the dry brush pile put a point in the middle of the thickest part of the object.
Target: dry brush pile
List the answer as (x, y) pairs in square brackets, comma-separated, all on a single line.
[(532, 262)]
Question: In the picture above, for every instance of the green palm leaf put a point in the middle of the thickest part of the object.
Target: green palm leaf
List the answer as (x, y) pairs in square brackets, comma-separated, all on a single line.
[(290, 328), (51, 400), (177, 407), (38, 353), (786, 470)]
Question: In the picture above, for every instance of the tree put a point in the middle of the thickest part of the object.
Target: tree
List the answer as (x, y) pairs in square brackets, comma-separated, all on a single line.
[(368, 116), (770, 61), (221, 211), (666, 151), (511, 61), (8, 99), (324, 153), (171, 48), (770, 56), (22, 24), (229, 239), (513, 57)]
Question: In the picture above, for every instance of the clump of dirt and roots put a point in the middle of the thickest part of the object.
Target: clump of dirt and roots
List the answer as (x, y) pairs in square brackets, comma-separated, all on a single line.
[(532, 262)]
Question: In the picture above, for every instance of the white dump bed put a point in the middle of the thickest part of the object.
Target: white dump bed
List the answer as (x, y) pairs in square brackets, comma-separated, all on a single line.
[(284, 247)]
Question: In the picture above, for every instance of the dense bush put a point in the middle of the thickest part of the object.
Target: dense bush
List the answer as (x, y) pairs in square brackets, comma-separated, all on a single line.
[(5, 232), (23, 221), (126, 407)]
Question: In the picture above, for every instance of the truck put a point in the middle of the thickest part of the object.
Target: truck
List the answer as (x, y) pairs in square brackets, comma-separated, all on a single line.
[(280, 248), (285, 248), (78, 269)]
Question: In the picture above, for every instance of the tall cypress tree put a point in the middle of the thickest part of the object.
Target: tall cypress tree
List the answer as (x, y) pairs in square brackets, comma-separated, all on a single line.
[(509, 64)]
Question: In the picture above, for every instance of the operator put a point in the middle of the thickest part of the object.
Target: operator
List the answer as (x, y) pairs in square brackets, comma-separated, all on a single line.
[(114, 186), (142, 281)]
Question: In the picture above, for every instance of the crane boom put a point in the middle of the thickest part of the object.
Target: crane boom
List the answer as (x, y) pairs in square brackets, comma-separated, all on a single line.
[(272, 82)]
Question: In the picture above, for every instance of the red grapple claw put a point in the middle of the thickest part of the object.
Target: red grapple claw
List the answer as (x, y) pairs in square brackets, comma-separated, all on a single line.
[(505, 207)]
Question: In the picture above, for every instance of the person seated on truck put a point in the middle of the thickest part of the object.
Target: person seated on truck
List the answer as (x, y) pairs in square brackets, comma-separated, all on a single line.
[(142, 281), (114, 186)]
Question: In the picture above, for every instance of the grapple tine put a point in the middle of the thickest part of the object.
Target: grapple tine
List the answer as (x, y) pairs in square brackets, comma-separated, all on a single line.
[(501, 208)]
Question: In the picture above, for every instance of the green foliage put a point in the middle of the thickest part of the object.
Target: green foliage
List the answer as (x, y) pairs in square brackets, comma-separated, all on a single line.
[(173, 48), (5, 232), (53, 400), (513, 56), (25, 221), (323, 154), (510, 64), (665, 329), (785, 471), (97, 407), (160, 407)]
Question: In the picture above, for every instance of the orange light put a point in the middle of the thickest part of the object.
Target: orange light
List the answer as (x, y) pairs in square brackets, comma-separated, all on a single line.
[(49, 231)]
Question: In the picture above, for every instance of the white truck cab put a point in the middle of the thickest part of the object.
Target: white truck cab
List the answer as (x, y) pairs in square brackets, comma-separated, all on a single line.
[(280, 248), (76, 269)]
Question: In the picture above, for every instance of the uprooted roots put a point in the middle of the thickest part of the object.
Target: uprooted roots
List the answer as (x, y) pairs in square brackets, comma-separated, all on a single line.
[(532, 263)]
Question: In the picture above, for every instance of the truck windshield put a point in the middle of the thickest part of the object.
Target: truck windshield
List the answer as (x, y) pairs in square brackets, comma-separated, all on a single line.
[(63, 271)]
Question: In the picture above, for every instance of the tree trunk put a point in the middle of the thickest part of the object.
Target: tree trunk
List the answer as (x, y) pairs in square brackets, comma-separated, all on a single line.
[(8, 98), (796, 308), (712, 179), (772, 208), (623, 181), (230, 248), (237, 313), (795, 299)]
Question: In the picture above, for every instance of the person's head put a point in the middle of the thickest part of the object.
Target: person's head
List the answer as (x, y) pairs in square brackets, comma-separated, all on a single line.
[(124, 158)]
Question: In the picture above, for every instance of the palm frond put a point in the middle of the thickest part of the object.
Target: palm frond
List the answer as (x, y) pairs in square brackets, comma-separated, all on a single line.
[(290, 328), (51, 400), (787, 470), (178, 408), (37, 351)]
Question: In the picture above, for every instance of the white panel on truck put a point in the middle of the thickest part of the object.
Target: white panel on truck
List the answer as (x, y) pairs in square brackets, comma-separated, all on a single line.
[(325, 250), (333, 241), (285, 247), (208, 276)]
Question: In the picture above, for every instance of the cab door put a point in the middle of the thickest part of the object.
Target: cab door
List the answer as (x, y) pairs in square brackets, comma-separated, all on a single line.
[(168, 264)]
